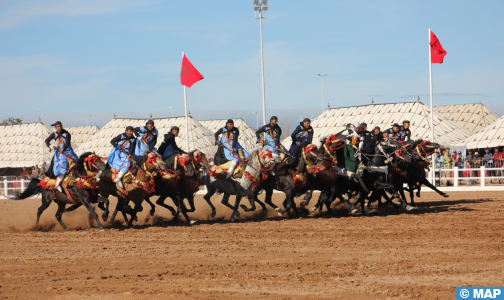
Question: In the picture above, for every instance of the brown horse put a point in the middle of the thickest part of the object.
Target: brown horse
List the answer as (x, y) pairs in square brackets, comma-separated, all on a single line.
[(138, 184), (83, 191)]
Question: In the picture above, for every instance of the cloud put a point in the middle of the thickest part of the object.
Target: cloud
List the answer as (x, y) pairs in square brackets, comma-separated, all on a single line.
[(16, 13)]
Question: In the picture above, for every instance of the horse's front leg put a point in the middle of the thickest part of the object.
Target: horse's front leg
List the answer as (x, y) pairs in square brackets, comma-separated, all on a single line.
[(236, 206), (225, 201)]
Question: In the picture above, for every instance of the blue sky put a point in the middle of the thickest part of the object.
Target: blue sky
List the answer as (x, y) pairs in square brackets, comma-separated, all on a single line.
[(71, 57)]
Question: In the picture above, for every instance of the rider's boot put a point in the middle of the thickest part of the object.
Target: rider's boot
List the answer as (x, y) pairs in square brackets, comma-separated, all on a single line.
[(231, 169), (59, 181), (118, 179)]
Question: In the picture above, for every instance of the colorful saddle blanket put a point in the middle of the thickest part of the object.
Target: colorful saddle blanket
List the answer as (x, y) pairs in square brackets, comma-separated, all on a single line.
[(220, 171)]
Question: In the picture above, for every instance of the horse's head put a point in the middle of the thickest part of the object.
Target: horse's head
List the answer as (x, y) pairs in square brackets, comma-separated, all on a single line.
[(312, 155), (154, 162), (422, 149), (200, 160), (402, 155), (265, 156), (184, 161), (93, 162)]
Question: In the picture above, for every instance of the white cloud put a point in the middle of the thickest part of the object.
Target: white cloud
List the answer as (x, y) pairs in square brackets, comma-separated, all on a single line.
[(16, 13)]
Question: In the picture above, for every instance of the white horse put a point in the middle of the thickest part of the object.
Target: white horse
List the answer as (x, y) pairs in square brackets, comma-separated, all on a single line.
[(258, 162)]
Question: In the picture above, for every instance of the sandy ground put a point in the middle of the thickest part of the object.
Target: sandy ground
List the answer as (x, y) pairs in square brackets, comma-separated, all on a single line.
[(421, 254)]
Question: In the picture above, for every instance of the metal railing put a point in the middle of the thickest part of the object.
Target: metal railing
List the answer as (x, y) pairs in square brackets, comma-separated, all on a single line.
[(10, 184)]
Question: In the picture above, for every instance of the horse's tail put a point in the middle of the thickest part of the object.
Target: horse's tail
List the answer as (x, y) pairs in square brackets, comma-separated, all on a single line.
[(32, 189)]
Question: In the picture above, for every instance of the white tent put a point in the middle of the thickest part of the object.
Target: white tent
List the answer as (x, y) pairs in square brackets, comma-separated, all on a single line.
[(490, 136), (200, 138), (80, 135), (446, 132), (247, 137), (474, 116), (24, 145)]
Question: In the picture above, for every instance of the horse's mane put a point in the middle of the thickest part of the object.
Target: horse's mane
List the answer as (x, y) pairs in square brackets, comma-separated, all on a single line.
[(81, 163)]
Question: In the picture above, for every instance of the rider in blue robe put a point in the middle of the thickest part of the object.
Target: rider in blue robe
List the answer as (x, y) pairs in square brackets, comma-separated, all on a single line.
[(120, 156), (231, 145), (302, 133), (272, 133), (63, 151), (405, 132), (394, 132), (146, 139), (169, 145)]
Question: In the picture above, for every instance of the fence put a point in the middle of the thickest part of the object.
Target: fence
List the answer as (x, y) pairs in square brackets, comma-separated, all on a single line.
[(9, 184), (467, 176)]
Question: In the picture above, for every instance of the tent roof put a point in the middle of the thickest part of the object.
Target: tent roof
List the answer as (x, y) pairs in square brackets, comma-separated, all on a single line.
[(199, 137), (474, 116), (82, 134), (333, 120), (490, 136), (247, 137), (24, 145)]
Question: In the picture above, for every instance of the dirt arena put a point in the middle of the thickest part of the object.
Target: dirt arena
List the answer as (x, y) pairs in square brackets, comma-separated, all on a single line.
[(422, 254)]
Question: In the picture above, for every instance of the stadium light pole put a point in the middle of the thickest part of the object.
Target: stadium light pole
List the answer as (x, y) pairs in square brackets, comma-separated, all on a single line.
[(322, 78), (257, 115), (259, 7), (86, 118)]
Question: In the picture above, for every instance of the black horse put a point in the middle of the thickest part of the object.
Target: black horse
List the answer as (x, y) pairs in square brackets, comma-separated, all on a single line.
[(80, 195)]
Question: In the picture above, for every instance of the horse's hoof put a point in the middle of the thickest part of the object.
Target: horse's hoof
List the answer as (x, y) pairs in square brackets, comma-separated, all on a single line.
[(418, 194), (232, 220), (445, 195), (192, 222), (135, 218), (304, 203), (102, 229), (404, 205), (314, 208), (277, 209), (409, 207), (237, 214), (397, 201), (345, 197), (152, 211), (366, 210), (213, 214), (280, 214), (104, 217), (354, 211)]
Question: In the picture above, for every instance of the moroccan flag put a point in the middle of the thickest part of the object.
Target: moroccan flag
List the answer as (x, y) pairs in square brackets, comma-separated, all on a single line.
[(437, 51), (189, 75)]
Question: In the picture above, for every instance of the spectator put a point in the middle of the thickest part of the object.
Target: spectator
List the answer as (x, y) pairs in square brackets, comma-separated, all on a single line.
[(470, 160), (448, 164), (487, 160), (439, 161), (36, 171), (42, 170), (460, 164), (497, 158), (25, 173), (467, 165)]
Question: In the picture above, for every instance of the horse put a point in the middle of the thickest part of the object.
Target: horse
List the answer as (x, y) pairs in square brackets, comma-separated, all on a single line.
[(245, 186), (84, 190), (179, 182), (138, 183)]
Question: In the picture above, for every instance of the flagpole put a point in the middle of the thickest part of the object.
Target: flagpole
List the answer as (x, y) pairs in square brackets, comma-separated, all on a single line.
[(186, 118), (432, 112)]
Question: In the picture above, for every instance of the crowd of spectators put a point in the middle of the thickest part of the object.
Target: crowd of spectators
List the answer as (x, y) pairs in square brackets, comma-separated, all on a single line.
[(447, 159), (35, 171)]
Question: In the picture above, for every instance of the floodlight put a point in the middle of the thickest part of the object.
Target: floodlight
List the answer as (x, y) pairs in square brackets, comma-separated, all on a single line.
[(256, 8), (265, 2), (256, 2), (265, 8)]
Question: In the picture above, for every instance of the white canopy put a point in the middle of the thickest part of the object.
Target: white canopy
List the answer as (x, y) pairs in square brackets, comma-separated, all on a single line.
[(474, 116), (200, 137), (446, 132), (489, 137), (82, 134)]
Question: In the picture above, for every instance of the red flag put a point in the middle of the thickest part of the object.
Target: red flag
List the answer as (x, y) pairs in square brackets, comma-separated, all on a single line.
[(189, 75), (437, 51)]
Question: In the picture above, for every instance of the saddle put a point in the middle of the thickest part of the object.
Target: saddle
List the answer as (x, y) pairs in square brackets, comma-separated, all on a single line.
[(220, 171), (48, 183), (129, 178)]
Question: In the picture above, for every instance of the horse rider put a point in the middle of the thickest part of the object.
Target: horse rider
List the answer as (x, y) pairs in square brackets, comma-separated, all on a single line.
[(366, 135), (375, 137), (394, 132), (302, 133), (376, 131), (120, 156), (169, 144), (233, 151), (146, 139), (355, 143), (405, 132), (64, 155), (272, 133)]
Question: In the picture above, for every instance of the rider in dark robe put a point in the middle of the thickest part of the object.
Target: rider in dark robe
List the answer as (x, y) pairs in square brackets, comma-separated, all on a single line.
[(169, 145), (233, 151), (64, 155), (120, 156), (405, 132), (302, 133), (146, 139), (394, 132)]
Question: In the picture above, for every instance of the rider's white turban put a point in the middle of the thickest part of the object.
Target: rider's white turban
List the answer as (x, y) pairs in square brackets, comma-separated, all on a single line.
[(356, 124)]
